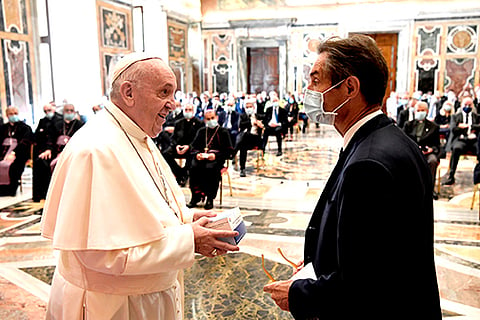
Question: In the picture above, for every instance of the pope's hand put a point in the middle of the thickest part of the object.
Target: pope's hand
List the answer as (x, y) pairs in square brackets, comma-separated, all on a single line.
[(197, 214), (47, 154), (206, 240), (279, 291)]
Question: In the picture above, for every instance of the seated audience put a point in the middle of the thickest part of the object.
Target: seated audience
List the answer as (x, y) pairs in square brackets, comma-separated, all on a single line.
[(407, 114), (42, 157), (17, 138), (184, 132), (465, 126), (443, 119), (426, 134), (292, 115), (210, 148), (275, 123), (250, 135)]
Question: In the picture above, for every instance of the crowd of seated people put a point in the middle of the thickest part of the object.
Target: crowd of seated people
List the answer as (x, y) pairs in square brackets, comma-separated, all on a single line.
[(442, 125), (194, 138)]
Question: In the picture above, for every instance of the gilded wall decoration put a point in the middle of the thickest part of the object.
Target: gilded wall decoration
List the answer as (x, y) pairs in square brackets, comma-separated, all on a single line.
[(176, 42), (458, 72), (17, 86), (222, 47), (429, 40), (115, 36), (310, 44), (248, 4), (462, 39), (13, 16), (17, 75), (114, 28)]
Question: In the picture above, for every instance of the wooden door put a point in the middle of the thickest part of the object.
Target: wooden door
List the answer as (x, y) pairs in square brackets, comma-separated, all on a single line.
[(262, 70), (388, 44)]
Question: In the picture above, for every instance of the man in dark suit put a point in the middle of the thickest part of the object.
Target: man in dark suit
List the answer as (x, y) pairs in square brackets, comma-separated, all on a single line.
[(229, 118), (427, 136), (370, 254), (184, 132), (465, 126), (407, 114), (42, 142), (275, 123)]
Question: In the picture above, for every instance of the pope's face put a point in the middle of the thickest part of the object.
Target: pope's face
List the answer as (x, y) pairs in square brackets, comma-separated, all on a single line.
[(154, 98)]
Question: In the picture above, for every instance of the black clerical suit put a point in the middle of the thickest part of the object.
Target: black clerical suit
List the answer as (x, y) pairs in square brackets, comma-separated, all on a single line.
[(62, 131), (372, 254), (404, 116), (205, 175), (183, 134), (278, 132), (461, 143), (292, 113), (24, 139), (426, 134), (41, 167), (248, 138)]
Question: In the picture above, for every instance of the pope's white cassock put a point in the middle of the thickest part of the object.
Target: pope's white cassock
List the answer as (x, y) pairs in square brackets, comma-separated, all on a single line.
[(122, 241)]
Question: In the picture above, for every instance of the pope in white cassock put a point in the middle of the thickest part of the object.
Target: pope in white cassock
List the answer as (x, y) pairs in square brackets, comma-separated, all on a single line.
[(115, 212)]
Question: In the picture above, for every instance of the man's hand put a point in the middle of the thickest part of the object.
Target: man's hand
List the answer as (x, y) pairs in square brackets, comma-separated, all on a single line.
[(47, 154), (10, 157), (206, 242), (182, 149), (169, 129), (279, 291)]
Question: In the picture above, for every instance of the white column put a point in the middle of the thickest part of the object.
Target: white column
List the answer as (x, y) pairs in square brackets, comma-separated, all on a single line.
[(75, 52), (155, 27)]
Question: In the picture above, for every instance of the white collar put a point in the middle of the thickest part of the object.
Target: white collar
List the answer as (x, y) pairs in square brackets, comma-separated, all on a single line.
[(353, 129)]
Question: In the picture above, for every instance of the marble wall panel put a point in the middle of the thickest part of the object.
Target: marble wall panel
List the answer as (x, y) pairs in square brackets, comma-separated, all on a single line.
[(427, 74), (429, 40), (458, 72), (176, 42), (13, 16), (462, 39), (18, 75)]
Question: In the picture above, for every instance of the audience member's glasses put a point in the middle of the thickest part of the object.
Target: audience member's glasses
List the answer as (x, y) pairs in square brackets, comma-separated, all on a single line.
[(290, 262)]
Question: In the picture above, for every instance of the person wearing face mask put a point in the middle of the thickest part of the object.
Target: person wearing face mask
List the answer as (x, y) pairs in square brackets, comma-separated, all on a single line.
[(184, 132), (228, 118), (407, 114), (42, 155), (465, 127), (210, 148), (61, 133), (17, 138), (361, 241), (426, 134), (443, 119), (250, 135), (275, 123), (292, 115)]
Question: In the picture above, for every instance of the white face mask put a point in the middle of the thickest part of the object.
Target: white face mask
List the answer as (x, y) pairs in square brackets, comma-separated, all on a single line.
[(420, 115), (212, 123), (188, 115), (249, 111), (313, 104)]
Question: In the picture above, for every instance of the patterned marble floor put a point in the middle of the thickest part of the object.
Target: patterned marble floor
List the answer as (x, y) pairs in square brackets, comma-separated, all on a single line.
[(276, 199)]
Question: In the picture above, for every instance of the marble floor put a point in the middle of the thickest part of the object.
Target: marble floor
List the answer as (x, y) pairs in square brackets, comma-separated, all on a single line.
[(276, 199)]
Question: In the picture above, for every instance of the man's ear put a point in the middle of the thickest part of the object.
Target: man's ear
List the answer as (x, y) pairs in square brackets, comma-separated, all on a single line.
[(126, 92), (353, 86)]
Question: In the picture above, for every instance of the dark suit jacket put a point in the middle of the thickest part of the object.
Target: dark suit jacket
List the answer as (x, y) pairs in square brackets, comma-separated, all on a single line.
[(430, 136), (402, 117), (457, 132), (372, 254), (234, 119), (282, 117), (185, 131)]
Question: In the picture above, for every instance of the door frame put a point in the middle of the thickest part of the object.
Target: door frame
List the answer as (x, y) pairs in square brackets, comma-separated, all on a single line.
[(244, 43)]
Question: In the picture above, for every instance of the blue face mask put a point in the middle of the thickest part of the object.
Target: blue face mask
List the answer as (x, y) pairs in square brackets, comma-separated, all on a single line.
[(50, 115), (212, 123), (467, 109), (13, 118), (69, 116)]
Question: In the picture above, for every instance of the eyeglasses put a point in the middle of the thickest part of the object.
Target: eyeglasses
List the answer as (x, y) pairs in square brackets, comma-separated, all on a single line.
[(293, 264)]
